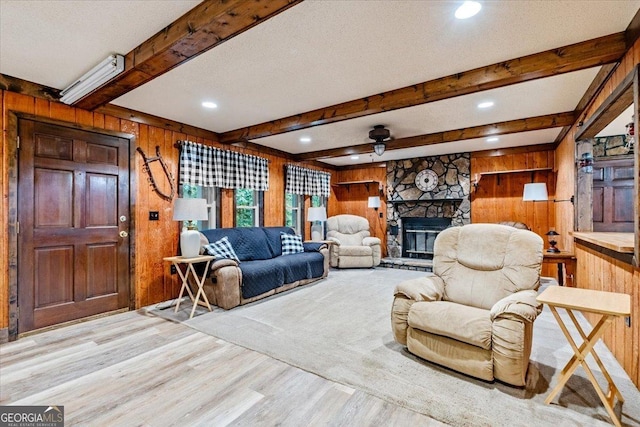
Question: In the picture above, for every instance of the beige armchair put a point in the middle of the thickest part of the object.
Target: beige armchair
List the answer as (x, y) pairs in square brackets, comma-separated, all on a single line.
[(475, 315), (352, 245)]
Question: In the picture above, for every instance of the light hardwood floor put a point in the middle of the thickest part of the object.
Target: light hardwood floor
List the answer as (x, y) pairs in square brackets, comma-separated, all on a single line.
[(136, 369)]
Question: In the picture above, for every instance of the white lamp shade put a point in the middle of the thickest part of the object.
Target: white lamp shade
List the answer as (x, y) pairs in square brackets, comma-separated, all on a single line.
[(535, 191), (190, 210), (374, 202), (317, 214)]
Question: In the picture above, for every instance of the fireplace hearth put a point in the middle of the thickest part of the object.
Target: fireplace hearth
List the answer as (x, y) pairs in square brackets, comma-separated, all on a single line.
[(419, 234)]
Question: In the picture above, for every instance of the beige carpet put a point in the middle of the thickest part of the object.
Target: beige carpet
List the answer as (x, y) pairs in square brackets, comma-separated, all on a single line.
[(339, 328)]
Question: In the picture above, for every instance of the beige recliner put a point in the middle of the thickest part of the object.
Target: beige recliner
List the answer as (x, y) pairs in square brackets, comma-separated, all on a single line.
[(352, 245), (475, 315)]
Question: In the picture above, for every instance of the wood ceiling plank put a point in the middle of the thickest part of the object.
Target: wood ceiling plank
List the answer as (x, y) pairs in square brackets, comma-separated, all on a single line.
[(207, 25), (575, 57), (502, 128)]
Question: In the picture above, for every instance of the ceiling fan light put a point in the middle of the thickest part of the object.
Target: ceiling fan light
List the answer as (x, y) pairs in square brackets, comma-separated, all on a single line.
[(379, 148)]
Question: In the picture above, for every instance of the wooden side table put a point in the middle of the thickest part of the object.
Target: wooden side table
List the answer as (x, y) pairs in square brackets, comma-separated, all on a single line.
[(177, 260), (607, 304), (566, 259)]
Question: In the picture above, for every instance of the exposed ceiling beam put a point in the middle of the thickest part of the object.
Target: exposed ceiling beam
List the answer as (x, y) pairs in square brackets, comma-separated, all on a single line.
[(207, 25), (261, 149), (502, 128), (618, 101), (151, 120), (578, 56), (26, 87)]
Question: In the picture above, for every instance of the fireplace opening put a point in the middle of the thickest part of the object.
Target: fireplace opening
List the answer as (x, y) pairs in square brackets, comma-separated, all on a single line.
[(419, 234)]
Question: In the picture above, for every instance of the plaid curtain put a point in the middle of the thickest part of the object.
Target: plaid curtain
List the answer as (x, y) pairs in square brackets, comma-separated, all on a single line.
[(307, 181), (212, 167)]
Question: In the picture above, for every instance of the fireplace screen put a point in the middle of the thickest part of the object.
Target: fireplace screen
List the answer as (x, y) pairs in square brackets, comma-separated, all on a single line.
[(419, 234)]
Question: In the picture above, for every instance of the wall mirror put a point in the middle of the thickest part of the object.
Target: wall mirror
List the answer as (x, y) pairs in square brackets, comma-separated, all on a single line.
[(608, 192)]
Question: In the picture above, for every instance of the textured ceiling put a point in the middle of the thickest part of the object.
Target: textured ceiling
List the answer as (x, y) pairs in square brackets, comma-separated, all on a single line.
[(319, 53)]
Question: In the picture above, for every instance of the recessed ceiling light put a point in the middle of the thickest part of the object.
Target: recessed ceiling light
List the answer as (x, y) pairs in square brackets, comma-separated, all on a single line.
[(355, 157), (485, 104), (305, 139), (493, 139), (209, 104), (468, 9)]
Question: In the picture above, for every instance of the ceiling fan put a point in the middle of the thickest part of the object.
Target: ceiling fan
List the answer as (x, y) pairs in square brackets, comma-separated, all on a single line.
[(379, 134)]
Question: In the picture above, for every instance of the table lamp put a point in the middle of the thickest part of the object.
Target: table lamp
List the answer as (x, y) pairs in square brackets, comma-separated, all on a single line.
[(552, 236), (190, 210), (316, 215)]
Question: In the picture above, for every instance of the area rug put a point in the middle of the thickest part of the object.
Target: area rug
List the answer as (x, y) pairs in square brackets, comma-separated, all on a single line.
[(339, 328)]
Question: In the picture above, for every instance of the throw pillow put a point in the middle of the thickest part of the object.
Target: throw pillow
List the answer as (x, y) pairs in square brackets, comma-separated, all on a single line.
[(221, 249), (291, 244)]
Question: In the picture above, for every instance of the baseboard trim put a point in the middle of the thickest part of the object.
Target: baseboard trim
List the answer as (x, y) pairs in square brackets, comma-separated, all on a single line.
[(72, 322), (4, 335)]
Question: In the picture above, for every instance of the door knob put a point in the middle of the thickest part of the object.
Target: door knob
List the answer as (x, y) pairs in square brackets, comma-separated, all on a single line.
[(123, 234)]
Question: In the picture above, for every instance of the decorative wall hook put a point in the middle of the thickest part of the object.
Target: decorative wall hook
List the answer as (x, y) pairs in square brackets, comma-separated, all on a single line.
[(151, 179)]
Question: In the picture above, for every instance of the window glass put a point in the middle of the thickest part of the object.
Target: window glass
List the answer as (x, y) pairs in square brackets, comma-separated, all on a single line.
[(247, 203), (318, 201), (293, 211), (211, 195)]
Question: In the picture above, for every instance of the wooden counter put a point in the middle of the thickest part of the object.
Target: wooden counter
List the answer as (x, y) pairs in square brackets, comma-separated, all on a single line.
[(619, 242)]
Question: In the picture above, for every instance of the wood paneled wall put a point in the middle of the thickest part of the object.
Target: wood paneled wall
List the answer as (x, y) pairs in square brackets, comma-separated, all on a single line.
[(596, 271), (499, 197), (601, 272), (153, 239), (353, 199)]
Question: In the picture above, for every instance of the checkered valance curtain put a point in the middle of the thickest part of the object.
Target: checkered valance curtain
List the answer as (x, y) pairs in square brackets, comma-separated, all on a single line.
[(211, 167), (307, 181)]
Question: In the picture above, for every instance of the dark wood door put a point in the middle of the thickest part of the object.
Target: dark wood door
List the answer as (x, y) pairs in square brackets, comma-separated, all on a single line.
[(613, 195), (73, 204)]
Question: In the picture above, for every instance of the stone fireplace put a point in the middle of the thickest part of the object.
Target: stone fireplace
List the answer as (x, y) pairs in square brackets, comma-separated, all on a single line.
[(443, 199)]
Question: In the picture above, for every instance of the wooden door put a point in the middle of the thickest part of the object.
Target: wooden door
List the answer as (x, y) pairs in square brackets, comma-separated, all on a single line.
[(73, 204), (613, 195)]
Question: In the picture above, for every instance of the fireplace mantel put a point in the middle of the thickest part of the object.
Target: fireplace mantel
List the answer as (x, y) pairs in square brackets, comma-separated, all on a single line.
[(424, 200)]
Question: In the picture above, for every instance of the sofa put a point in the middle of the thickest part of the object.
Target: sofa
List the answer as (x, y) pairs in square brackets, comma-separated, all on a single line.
[(475, 314), (261, 269), (351, 243)]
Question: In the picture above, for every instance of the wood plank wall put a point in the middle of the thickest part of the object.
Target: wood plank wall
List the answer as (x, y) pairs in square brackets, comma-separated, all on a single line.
[(603, 273), (153, 240), (354, 199), (499, 197), (596, 271)]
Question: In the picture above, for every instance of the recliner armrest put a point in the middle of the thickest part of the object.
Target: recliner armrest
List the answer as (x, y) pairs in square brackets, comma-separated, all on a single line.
[(428, 288), (334, 240), (223, 262), (370, 241), (520, 305), (313, 246)]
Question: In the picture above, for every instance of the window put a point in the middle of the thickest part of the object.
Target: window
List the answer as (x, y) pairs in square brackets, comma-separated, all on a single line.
[(248, 207), (211, 194), (318, 201), (293, 211)]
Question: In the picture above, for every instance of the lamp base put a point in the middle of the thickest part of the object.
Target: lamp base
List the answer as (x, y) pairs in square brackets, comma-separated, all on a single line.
[(316, 232), (190, 243), (553, 250)]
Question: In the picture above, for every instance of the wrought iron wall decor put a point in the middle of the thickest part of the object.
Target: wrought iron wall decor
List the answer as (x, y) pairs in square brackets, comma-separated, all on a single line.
[(152, 182)]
